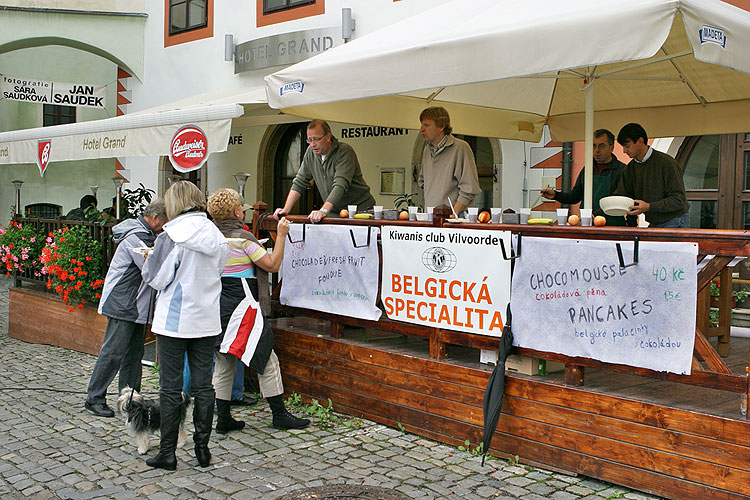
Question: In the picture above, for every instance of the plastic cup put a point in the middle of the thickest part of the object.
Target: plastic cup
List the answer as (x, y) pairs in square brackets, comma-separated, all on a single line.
[(525, 214), (377, 211), (586, 216), (497, 215), (562, 216), (430, 212), (352, 211), (413, 213), (472, 213)]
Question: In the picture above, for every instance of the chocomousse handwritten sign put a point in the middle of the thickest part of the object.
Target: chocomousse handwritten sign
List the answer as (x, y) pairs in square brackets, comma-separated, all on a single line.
[(572, 297), (447, 278), (332, 269)]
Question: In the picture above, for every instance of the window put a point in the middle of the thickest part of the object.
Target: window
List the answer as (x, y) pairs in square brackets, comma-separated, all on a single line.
[(187, 21), (52, 114), (270, 12), (186, 15), (277, 5)]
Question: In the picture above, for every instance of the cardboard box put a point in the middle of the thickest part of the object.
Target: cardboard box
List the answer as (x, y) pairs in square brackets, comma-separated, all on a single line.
[(531, 366)]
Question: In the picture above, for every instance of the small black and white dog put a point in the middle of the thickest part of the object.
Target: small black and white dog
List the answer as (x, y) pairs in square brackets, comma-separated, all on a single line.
[(144, 417)]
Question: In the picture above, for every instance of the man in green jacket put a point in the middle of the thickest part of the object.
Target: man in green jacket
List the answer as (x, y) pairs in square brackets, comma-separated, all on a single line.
[(653, 179), (335, 168)]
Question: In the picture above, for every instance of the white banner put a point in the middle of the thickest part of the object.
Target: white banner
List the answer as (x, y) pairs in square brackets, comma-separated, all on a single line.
[(145, 141), (571, 297), (63, 94), (332, 269), (454, 279)]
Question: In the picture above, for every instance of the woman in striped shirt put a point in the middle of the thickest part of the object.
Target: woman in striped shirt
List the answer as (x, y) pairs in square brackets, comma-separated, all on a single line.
[(245, 333)]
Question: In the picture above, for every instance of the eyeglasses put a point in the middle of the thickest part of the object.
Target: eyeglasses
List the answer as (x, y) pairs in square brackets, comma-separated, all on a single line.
[(310, 140)]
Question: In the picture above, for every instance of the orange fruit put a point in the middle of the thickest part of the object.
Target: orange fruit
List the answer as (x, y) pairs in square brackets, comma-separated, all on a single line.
[(600, 220), (403, 215), (574, 220), (344, 213), (484, 216)]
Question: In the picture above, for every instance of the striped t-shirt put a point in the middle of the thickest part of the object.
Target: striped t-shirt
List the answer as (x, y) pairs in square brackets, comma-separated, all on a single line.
[(242, 254)]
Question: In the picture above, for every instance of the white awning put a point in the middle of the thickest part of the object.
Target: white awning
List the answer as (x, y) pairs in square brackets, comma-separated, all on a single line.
[(147, 132)]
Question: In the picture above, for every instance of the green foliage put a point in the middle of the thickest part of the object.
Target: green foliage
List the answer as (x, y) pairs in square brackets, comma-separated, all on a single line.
[(401, 428), (324, 415), (476, 451), (513, 460), (405, 200), (134, 201)]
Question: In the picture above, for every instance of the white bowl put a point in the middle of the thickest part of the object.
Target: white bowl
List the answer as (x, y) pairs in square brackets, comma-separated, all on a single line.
[(616, 205), (423, 216)]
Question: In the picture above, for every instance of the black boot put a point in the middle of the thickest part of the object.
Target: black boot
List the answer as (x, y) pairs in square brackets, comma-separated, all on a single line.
[(224, 421), (170, 425), (203, 415), (282, 419)]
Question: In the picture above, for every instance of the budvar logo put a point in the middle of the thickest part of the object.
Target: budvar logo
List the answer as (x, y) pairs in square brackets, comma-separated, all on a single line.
[(43, 150), (712, 34), (189, 149), (289, 88)]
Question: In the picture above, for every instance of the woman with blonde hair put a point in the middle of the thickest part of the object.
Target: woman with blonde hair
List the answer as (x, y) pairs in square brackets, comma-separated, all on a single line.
[(185, 267), (248, 339)]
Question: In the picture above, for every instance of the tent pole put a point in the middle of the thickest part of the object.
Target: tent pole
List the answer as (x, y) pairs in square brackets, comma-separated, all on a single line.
[(588, 183)]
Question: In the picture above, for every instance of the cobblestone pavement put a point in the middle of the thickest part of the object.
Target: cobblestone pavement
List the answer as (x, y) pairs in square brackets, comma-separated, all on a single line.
[(50, 448)]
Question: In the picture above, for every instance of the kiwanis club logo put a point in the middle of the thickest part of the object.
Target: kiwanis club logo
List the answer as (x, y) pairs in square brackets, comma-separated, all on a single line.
[(43, 150), (189, 149), (439, 259)]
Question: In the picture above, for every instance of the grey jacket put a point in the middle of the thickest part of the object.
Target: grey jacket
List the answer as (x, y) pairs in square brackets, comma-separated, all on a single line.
[(125, 296), (339, 179)]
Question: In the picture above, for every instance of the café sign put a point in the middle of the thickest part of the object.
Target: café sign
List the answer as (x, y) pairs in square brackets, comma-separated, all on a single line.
[(286, 48), (66, 94)]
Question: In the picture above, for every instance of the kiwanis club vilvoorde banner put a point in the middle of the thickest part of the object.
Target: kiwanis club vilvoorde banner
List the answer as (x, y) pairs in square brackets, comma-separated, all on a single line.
[(454, 279)]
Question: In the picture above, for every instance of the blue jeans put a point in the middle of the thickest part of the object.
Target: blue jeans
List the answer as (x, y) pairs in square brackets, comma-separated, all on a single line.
[(122, 350), (682, 221), (238, 385)]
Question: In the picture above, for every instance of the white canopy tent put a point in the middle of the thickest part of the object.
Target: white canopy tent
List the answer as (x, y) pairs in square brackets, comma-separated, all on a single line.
[(145, 133), (505, 69)]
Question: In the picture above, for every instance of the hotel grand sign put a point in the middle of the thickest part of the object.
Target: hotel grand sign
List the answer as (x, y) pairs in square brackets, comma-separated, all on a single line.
[(286, 48)]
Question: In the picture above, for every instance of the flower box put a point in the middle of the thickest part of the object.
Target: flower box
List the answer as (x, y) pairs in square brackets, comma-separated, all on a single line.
[(42, 318)]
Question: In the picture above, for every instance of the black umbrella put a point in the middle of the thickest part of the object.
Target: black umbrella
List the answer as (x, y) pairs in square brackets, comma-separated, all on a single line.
[(493, 395)]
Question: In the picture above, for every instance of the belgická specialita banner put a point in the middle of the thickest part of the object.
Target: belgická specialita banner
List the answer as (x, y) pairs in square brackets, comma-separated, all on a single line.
[(572, 297), (454, 279), (332, 269)]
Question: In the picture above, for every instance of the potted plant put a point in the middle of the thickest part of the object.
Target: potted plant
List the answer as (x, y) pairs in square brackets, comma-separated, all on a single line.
[(20, 248)]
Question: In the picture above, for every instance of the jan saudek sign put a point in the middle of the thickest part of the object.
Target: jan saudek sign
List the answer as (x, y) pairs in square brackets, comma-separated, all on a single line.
[(455, 279), (64, 94), (572, 297)]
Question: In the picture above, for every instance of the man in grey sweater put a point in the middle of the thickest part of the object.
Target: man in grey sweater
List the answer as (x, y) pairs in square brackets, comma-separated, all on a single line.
[(125, 302), (448, 167), (335, 168)]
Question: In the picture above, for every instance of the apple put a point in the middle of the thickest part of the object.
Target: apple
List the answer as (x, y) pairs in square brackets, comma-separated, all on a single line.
[(403, 215), (344, 213), (484, 216), (574, 220), (600, 220)]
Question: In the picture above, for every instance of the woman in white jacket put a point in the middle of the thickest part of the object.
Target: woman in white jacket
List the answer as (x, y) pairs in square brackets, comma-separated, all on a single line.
[(185, 267)]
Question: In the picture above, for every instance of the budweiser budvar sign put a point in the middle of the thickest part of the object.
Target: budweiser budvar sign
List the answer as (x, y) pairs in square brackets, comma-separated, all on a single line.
[(189, 149)]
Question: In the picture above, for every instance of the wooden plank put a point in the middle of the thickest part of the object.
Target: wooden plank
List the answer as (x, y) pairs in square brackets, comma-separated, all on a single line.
[(712, 268), (709, 355), (636, 433)]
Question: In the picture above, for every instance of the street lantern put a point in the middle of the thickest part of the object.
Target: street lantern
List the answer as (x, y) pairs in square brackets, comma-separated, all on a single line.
[(241, 178), (94, 189), (119, 181), (18, 185)]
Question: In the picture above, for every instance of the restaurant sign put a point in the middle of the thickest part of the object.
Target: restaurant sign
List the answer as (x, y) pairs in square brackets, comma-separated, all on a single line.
[(433, 277), (64, 94), (286, 48)]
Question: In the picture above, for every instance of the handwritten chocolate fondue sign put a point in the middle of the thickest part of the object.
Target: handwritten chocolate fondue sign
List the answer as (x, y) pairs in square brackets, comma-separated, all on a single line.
[(572, 297), (332, 269)]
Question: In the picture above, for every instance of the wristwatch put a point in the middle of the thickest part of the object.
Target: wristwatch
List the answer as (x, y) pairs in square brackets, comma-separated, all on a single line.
[(324, 210)]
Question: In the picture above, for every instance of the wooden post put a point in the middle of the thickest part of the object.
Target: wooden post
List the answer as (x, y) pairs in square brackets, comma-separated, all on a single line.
[(337, 330), (574, 375), (438, 348), (259, 208), (725, 311)]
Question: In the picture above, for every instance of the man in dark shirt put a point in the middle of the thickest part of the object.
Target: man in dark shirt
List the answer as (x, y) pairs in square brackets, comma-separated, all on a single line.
[(653, 179), (607, 171)]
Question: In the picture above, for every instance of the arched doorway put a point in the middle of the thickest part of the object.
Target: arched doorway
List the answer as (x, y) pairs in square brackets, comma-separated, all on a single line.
[(716, 172), (282, 150)]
